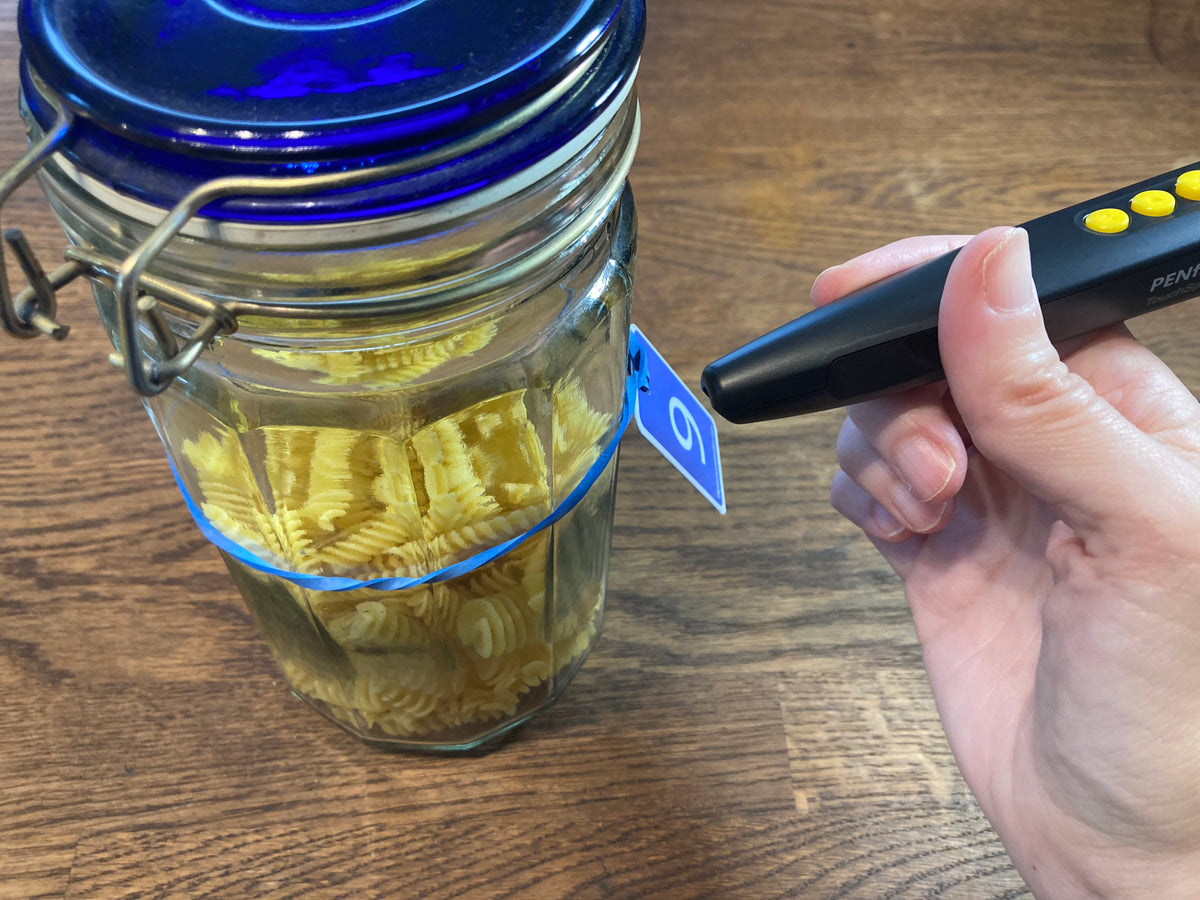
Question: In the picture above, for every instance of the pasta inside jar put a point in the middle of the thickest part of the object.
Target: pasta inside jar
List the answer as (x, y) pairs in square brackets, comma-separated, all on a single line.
[(430, 451)]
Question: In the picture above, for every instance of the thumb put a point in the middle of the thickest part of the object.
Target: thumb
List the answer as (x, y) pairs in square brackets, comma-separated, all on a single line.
[(1024, 409)]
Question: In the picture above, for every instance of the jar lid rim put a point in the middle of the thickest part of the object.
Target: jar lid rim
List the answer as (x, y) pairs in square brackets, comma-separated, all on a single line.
[(509, 118), (373, 74)]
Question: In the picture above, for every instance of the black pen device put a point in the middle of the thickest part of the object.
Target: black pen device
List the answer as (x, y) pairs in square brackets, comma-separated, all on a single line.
[(1117, 256)]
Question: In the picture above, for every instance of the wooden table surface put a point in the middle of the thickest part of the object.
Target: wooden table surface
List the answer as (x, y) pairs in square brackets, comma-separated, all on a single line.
[(755, 721)]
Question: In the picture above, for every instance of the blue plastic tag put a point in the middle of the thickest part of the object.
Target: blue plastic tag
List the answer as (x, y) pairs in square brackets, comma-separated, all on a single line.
[(671, 418)]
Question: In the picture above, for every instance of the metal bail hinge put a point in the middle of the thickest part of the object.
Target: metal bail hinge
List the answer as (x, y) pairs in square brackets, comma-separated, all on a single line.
[(149, 351), (31, 312)]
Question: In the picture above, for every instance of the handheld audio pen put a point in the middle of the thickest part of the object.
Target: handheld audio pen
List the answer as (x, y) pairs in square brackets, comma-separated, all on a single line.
[(1111, 258)]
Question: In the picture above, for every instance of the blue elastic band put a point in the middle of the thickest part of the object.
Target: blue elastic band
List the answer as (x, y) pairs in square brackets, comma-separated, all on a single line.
[(636, 380)]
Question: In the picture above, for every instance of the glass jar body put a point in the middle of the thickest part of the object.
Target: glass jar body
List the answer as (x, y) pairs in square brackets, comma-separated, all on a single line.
[(366, 447)]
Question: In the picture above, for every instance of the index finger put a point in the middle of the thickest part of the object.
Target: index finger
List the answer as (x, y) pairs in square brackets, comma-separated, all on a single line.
[(838, 281)]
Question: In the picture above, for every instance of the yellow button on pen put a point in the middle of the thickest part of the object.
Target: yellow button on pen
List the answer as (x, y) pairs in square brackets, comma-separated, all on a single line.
[(1107, 221), (1153, 203), (1188, 185)]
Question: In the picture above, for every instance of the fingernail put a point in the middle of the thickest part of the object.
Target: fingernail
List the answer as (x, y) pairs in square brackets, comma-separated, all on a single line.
[(916, 514), (1007, 281), (817, 289), (885, 524), (925, 467)]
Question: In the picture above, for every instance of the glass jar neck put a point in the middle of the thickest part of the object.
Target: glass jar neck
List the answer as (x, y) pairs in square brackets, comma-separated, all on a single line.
[(494, 238)]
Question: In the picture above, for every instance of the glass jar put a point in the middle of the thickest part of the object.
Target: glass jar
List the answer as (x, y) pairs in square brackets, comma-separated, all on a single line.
[(396, 409)]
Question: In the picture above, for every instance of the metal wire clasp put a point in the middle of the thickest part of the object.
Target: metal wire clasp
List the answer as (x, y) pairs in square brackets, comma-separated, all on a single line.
[(31, 312), (148, 348)]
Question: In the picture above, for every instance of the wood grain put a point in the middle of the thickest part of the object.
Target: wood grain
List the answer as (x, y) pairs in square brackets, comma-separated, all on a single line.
[(755, 722)]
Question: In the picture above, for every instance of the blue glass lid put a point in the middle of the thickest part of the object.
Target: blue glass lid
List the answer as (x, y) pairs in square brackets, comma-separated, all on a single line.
[(170, 94)]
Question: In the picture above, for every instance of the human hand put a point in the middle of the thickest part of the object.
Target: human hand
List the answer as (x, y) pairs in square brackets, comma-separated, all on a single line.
[(1043, 512)]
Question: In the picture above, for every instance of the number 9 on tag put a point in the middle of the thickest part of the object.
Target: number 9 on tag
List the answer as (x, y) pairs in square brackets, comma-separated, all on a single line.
[(671, 418)]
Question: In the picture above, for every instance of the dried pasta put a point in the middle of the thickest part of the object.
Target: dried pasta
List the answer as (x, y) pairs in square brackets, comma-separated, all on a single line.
[(385, 365), (324, 500)]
